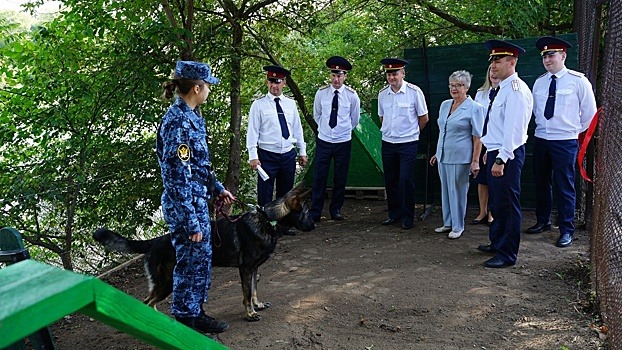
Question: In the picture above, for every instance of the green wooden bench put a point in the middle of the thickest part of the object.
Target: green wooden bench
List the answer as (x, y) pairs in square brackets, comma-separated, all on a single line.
[(35, 295), (12, 250)]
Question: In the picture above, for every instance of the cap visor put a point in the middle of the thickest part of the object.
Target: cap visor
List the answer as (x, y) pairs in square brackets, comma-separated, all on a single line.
[(212, 80)]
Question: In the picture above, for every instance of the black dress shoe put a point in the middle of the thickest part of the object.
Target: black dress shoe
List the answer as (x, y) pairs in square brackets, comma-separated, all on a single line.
[(390, 221), (407, 224), (487, 248), (539, 227), (564, 240), (496, 263), (480, 221), (337, 217)]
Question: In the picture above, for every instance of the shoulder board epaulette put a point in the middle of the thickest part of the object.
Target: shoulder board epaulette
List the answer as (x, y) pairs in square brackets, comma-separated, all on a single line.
[(291, 97), (384, 88), (575, 73), (258, 96), (412, 86), (541, 76), (324, 87), (350, 89), (515, 85)]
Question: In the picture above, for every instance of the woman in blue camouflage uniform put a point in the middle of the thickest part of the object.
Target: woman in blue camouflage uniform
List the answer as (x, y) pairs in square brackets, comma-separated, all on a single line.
[(189, 182)]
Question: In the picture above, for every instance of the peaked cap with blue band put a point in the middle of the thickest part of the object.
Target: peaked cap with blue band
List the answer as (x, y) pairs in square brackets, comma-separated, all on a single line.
[(195, 71)]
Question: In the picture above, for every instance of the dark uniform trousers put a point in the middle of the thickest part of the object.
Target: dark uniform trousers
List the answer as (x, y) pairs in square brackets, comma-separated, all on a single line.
[(279, 167), (504, 201), (398, 162), (555, 159), (325, 152)]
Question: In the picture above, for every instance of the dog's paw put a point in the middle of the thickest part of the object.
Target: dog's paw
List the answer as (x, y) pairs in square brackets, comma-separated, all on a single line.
[(253, 317), (262, 306)]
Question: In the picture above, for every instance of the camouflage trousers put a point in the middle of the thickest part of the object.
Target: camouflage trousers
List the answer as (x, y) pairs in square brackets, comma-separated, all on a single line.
[(192, 273)]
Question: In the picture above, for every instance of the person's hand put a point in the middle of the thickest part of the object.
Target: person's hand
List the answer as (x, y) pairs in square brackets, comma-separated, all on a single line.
[(475, 168), (197, 237), (433, 160), (226, 197), (303, 160), (497, 170), (254, 163)]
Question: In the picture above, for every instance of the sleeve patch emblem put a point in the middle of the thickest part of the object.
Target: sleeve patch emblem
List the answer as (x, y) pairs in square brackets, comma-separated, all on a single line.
[(183, 152)]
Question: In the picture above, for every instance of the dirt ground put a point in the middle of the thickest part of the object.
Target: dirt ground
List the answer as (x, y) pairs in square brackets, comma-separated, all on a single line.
[(356, 284)]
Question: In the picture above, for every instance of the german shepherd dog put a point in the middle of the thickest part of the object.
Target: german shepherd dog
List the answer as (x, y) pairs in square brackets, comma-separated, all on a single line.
[(244, 241)]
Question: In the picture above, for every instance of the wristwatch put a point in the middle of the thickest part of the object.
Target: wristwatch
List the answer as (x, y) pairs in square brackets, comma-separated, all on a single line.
[(499, 161)]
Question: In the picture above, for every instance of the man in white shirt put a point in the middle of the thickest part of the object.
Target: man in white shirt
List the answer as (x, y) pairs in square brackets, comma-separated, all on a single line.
[(336, 110), (274, 130), (403, 113), (563, 106), (505, 156)]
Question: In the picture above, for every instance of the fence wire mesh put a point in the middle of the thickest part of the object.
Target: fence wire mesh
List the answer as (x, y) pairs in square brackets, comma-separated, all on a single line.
[(606, 223)]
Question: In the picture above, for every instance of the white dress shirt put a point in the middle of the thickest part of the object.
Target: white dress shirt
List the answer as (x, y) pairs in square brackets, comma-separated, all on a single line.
[(400, 112), (575, 105), (264, 129), (348, 113), (509, 118)]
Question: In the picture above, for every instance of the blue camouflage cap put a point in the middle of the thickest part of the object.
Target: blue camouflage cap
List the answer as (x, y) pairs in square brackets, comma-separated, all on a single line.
[(196, 71)]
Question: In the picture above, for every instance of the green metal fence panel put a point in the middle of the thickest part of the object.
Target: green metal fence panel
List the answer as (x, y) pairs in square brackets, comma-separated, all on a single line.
[(430, 69)]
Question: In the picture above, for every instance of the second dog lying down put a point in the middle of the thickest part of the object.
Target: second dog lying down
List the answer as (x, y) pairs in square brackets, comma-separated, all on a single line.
[(244, 241)]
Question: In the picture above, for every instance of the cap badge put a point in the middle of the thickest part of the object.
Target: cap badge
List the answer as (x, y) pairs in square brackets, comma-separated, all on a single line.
[(183, 152), (546, 47)]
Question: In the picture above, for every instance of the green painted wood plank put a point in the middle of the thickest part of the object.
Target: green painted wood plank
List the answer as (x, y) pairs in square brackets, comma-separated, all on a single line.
[(35, 295), (122, 311)]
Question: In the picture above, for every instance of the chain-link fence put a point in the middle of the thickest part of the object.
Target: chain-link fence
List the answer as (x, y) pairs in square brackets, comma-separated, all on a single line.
[(606, 222)]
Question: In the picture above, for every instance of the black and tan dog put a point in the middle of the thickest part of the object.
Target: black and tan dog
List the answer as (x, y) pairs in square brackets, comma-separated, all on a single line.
[(245, 241)]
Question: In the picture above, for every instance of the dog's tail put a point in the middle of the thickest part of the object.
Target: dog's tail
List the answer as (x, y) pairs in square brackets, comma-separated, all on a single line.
[(118, 243)]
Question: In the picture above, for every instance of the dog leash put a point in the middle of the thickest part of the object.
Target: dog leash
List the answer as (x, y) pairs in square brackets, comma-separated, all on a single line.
[(218, 208)]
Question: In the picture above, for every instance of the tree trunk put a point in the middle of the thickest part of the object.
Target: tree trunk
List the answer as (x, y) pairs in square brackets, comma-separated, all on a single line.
[(235, 148)]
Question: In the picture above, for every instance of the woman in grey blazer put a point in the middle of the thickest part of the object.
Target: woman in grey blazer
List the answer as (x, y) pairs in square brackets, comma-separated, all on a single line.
[(460, 121)]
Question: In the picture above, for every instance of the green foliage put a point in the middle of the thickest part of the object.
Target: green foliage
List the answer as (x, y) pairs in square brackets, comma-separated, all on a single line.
[(77, 135), (79, 96)]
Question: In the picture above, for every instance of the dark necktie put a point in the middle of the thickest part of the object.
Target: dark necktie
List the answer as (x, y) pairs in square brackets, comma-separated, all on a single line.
[(333, 112), (549, 108), (491, 96), (279, 111)]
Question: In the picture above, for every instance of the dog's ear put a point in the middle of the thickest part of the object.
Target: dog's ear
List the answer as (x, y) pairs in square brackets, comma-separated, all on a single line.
[(297, 197)]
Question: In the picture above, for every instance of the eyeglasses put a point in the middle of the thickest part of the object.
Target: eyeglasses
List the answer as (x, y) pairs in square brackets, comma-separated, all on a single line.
[(275, 80), (455, 86)]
